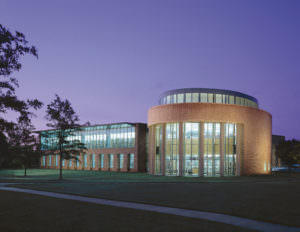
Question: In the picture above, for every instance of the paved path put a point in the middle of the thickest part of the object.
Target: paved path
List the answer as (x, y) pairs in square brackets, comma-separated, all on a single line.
[(216, 217)]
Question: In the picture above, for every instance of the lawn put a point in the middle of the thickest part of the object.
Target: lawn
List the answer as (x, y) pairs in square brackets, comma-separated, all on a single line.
[(267, 198), (22, 212)]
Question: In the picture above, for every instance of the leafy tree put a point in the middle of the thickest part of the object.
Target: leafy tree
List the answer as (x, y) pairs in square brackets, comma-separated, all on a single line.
[(289, 152), (63, 119), (24, 146), (12, 47)]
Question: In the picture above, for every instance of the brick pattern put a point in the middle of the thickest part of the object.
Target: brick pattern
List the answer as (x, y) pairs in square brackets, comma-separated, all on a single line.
[(255, 129)]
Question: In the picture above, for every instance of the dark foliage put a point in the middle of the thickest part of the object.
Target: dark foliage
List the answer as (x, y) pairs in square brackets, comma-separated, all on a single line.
[(63, 119), (289, 152), (12, 47)]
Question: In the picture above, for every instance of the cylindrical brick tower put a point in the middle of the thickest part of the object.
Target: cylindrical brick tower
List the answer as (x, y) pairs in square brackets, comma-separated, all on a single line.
[(208, 132)]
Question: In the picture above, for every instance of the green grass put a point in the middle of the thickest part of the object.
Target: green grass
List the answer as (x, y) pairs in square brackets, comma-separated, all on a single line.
[(22, 212), (267, 198)]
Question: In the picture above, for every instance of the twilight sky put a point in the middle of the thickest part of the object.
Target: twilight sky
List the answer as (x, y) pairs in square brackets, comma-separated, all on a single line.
[(112, 59)]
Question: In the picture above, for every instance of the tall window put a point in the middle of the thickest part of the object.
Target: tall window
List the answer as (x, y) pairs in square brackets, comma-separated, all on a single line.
[(70, 162), (191, 148), (85, 160), (121, 161), (50, 160), (77, 161), (63, 162), (111, 161), (44, 160), (56, 160), (102, 161), (158, 147), (131, 161), (93, 161), (171, 149), (212, 149), (230, 149)]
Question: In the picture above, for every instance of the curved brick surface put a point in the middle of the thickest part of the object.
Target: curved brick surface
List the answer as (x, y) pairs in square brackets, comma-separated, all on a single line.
[(256, 126)]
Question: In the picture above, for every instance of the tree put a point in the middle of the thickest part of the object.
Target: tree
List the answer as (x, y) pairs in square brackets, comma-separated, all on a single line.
[(24, 146), (64, 121), (289, 152), (12, 47)]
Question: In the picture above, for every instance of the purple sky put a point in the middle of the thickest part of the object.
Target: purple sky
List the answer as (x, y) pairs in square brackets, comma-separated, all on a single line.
[(112, 59)]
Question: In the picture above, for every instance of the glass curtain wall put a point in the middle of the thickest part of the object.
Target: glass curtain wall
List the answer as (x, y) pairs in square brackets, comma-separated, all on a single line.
[(158, 147), (212, 149), (171, 149), (191, 148), (106, 136), (208, 97), (230, 149)]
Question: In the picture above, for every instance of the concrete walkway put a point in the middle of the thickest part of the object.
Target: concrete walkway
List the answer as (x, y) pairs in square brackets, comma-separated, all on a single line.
[(215, 217)]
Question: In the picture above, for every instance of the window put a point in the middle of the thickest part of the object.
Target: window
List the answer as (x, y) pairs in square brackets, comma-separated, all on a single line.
[(70, 162), (230, 149), (180, 98), (212, 149), (121, 161), (218, 98), (188, 97), (44, 161), (85, 160), (63, 162), (231, 99), (203, 97), (171, 149), (168, 99), (77, 161), (210, 98), (191, 148), (50, 160), (158, 146), (93, 161), (56, 160), (195, 97), (102, 161), (111, 161), (131, 161)]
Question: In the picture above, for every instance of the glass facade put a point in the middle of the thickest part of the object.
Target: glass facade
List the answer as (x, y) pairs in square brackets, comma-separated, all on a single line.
[(212, 149), (56, 160), (131, 161), (207, 98), (111, 161), (191, 135), (201, 149), (105, 136), (102, 161), (121, 161), (77, 161), (158, 147), (93, 161), (172, 149), (230, 149), (85, 160)]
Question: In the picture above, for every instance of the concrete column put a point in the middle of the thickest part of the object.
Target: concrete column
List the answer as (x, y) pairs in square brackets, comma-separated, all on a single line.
[(201, 150), (180, 147)]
